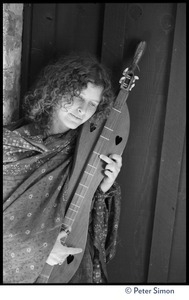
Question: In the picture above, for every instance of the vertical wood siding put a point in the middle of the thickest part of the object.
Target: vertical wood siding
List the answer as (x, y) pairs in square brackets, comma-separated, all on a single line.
[(167, 200)]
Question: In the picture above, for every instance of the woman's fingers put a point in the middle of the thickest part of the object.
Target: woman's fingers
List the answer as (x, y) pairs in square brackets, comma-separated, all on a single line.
[(61, 235), (70, 250), (111, 170), (113, 158), (60, 251), (113, 162), (58, 257)]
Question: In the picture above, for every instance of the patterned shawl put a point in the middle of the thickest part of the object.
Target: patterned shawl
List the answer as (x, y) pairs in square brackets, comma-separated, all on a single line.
[(34, 185), (35, 181)]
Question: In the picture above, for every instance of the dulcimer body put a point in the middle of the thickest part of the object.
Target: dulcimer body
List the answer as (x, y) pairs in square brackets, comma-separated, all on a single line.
[(78, 235)]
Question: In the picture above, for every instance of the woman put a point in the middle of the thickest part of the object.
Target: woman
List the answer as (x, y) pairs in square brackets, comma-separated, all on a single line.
[(38, 156)]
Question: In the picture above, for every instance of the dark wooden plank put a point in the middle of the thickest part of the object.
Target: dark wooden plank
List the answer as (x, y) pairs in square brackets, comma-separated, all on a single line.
[(177, 264), (113, 39), (79, 27), (43, 36), (146, 102), (171, 157)]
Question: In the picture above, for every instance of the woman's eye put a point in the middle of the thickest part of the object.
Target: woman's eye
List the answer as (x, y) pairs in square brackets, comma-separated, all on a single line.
[(93, 104)]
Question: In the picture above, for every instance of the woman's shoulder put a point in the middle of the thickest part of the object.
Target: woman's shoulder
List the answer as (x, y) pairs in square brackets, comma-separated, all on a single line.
[(15, 124), (23, 127)]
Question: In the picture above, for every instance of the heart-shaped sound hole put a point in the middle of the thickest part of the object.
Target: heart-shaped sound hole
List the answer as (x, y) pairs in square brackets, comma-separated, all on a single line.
[(92, 127), (70, 258), (118, 140)]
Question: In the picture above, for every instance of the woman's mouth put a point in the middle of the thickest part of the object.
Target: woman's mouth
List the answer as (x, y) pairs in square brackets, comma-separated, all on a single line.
[(75, 117)]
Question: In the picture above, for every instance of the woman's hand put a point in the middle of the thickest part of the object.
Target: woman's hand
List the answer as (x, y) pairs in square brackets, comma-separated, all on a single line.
[(59, 252), (111, 171)]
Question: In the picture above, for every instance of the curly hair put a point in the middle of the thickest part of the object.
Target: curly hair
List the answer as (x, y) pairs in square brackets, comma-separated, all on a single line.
[(66, 77)]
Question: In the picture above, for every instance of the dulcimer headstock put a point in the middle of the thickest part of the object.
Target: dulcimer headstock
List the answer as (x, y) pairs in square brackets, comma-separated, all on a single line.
[(127, 79)]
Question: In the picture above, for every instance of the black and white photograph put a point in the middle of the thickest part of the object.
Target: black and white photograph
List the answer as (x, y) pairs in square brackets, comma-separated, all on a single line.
[(94, 149)]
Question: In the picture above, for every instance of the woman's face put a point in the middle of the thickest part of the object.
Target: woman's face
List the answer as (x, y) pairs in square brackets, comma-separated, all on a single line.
[(83, 107)]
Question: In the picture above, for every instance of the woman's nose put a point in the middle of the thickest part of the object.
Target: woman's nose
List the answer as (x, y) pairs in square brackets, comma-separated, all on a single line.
[(82, 108)]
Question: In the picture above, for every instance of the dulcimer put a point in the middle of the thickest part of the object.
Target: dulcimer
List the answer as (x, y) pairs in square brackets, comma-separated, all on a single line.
[(109, 137)]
